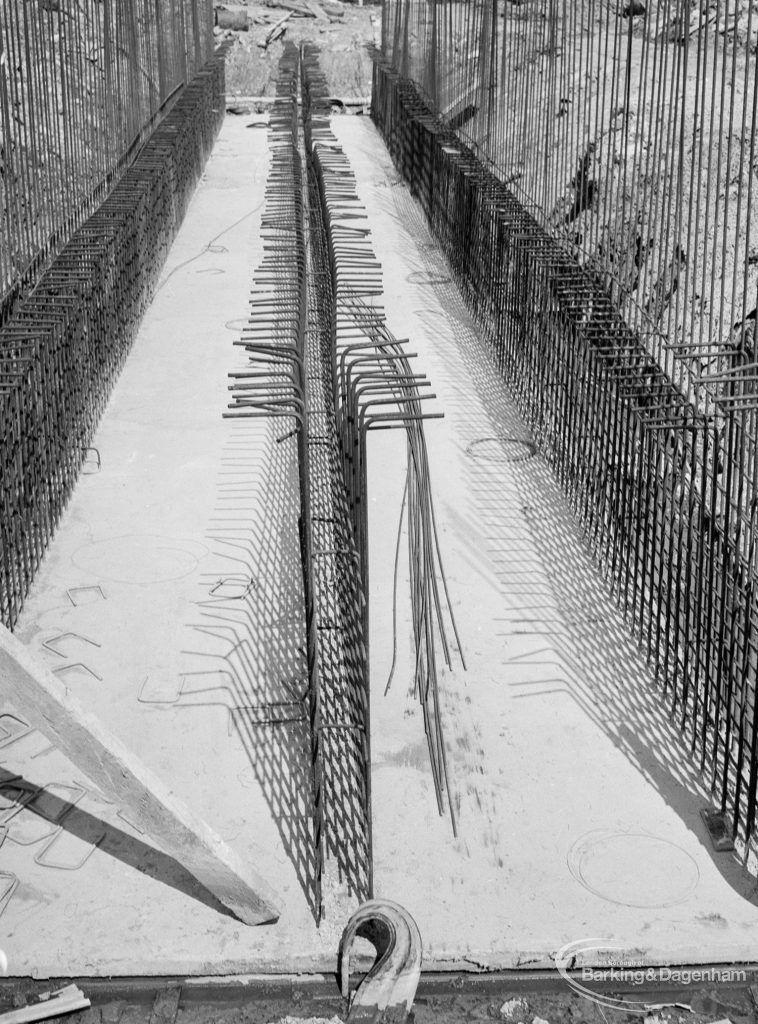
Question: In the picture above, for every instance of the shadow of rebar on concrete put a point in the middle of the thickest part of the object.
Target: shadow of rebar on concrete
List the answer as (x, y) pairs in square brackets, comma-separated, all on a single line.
[(94, 831), (284, 609), (548, 562), (662, 484), (347, 826), (252, 619)]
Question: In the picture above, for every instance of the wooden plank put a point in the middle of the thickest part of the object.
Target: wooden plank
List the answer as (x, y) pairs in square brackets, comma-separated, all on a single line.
[(274, 33), (294, 6), (49, 707), (66, 1000)]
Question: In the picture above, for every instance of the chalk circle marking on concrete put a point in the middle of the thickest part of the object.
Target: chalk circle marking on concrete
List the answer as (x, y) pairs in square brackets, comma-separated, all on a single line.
[(140, 558), (633, 869), (501, 449)]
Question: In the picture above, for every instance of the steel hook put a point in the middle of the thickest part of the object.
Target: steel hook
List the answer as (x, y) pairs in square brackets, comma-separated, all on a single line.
[(388, 990)]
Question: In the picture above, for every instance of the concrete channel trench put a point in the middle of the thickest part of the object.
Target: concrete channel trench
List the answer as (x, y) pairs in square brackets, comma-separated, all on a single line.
[(351, 808)]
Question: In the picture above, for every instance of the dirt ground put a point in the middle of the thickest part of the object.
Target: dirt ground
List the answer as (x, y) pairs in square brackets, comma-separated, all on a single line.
[(444, 1001), (342, 30)]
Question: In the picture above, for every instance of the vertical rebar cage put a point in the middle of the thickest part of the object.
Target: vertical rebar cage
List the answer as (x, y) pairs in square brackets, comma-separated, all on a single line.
[(82, 83), (590, 170), (630, 129), (100, 150)]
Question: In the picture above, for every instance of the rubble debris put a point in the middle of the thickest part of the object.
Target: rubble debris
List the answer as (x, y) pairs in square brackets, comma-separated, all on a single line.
[(294, 6), (166, 1006), (584, 187), (236, 20), (275, 31), (516, 1010), (664, 288), (112, 1012), (308, 1020), (741, 342)]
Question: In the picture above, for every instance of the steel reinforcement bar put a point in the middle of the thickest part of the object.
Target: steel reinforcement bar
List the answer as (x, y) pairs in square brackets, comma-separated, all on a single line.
[(339, 590), (275, 383), (632, 129), (62, 349), (376, 388), (82, 86), (659, 485)]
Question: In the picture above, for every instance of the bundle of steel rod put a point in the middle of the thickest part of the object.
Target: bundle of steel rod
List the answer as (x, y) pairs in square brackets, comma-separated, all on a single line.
[(275, 384), (82, 85), (375, 388), (65, 343), (666, 492)]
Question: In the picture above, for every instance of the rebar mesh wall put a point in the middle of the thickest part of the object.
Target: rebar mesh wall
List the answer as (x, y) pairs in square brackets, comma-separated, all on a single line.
[(82, 83), (664, 487), (65, 342), (629, 128)]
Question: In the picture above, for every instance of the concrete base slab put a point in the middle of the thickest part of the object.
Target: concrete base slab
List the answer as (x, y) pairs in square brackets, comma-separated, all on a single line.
[(578, 804), (170, 604)]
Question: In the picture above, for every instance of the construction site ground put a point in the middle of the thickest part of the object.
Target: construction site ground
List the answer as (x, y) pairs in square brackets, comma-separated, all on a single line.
[(343, 31), (447, 999), (170, 604)]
